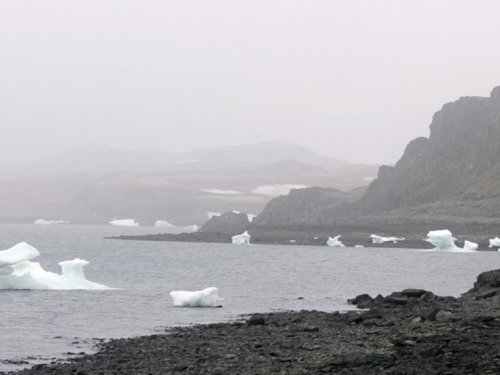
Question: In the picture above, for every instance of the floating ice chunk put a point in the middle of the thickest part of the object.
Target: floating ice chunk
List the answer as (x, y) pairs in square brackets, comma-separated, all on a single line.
[(17, 254), (48, 222), (251, 217), (125, 223), (470, 246), (211, 214), (334, 242), (241, 239), (31, 275), (163, 224), (379, 239), (443, 240), (191, 228), (293, 241), (358, 246), (494, 242), (204, 298)]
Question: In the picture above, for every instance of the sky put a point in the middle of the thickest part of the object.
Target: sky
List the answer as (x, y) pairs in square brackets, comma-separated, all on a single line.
[(354, 80)]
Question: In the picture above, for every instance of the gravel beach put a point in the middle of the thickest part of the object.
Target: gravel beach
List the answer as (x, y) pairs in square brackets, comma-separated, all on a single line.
[(407, 332)]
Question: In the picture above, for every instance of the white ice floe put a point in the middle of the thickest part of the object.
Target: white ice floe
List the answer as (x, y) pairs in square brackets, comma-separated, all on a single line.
[(293, 241), (444, 241), (222, 192), (48, 222), (276, 190), (358, 246), (208, 297), (163, 224), (251, 217), (124, 223), (334, 242), (470, 246), (495, 242), (379, 239), (241, 239), (211, 214), (31, 275), (191, 228)]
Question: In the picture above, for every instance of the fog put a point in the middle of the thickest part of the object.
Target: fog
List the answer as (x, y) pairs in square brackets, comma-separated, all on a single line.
[(355, 80)]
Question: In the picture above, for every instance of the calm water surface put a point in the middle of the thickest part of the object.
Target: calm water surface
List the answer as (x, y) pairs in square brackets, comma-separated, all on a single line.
[(39, 325)]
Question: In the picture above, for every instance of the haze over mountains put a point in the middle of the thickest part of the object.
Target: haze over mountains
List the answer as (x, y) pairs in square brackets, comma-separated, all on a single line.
[(94, 183)]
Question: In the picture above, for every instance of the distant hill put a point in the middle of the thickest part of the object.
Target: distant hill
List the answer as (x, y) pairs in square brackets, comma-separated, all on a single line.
[(95, 184), (455, 172)]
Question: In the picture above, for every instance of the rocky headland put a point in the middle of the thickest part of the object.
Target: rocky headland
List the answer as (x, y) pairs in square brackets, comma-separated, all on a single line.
[(408, 332)]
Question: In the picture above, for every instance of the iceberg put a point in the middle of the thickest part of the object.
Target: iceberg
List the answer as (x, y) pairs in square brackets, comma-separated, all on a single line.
[(31, 275), (125, 223), (334, 242), (444, 241), (495, 242), (48, 222), (251, 217), (191, 228), (241, 239), (203, 298), (470, 246), (379, 239), (163, 224)]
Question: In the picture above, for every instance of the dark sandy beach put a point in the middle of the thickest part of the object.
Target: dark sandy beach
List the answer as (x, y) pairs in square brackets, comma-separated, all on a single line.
[(407, 332)]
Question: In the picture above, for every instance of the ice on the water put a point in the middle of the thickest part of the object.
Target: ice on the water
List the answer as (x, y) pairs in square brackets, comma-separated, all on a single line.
[(163, 224), (208, 297), (380, 239), (470, 246), (31, 275), (124, 223), (444, 241), (358, 246), (334, 242), (494, 242), (48, 222), (191, 228), (241, 239)]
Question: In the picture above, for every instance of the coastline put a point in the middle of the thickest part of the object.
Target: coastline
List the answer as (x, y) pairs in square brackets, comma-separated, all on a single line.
[(407, 332)]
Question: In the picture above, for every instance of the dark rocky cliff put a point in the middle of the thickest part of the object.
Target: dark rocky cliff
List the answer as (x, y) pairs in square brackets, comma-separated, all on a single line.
[(463, 148)]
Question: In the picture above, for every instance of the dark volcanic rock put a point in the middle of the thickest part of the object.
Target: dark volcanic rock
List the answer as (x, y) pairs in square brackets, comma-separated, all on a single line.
[(229, 222)]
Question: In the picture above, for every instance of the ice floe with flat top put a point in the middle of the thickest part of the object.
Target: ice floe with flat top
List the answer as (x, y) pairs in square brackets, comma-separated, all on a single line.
[(380, 239), (276, 190), (241, 239), (495, 242), (124, 223), (163, 224), (31, 275), (208, 297), (49, 222), (444, 241), (334, 242)]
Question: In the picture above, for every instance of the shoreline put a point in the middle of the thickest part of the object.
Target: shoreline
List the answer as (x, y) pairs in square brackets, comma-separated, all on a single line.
[(410, 332)]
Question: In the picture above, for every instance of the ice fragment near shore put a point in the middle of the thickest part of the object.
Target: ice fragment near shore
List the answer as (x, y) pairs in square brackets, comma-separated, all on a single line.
[(334, 242), (470, 246), (379, 239), (124, 223), (495, 242), (444, 241), (208, 297), (163, 224), (241, 239), (31, 275), (48, 222)]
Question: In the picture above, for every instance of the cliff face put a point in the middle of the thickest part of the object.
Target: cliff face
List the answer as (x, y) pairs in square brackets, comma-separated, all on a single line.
[(463, 148)]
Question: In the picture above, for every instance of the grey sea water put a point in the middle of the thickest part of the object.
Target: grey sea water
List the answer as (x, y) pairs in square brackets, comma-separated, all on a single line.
[(40, 325)]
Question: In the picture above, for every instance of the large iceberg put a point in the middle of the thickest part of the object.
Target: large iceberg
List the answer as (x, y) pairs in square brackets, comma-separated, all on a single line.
[(31, 275), (379, 239), (334, 242), (125, 223), (241, 239), (163, 224), (47, 222), (443, 240), (203, 298), (495, 242)]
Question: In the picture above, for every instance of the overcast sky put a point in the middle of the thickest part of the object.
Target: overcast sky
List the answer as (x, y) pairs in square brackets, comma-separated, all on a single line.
[(356, 80)]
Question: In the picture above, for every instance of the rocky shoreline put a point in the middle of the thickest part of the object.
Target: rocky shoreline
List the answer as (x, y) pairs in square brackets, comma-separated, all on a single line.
[(407, 332), (353, 232)]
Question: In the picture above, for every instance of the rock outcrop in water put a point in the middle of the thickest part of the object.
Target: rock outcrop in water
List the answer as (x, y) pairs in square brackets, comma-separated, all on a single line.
[(459, 162)]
